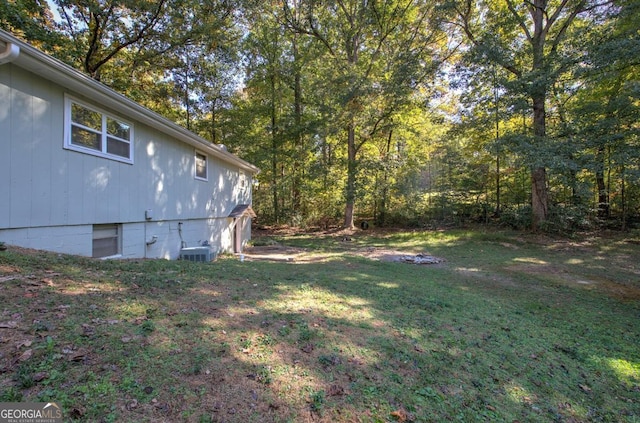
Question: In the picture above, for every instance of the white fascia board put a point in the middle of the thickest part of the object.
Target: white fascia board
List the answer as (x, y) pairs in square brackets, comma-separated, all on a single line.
[(56, 71)]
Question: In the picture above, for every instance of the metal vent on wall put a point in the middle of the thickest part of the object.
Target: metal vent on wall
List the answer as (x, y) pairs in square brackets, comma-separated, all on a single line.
[(203, 254)]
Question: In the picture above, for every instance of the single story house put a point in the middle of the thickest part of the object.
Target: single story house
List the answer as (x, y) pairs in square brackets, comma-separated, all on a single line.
[(87, 171)]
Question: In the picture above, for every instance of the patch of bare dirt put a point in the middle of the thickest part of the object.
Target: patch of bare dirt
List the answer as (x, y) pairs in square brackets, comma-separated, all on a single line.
[(617, 290), (281, 253), (276, 253), (385, 254)]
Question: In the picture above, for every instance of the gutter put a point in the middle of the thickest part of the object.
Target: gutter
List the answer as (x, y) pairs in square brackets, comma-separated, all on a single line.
[(33, 60), (10, 53)]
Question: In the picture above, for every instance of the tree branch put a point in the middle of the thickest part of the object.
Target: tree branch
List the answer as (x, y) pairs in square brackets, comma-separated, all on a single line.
[(293, 23), (565, 25), (140, 34), (521, 22)]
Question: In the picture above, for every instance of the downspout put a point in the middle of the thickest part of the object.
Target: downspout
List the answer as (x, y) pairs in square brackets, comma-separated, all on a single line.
[(10, 53)]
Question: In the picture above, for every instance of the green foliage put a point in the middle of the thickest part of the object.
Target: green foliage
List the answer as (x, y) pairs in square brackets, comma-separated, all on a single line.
[(317, 399), (516, 218), (11, 394), (370, 105), (263, 375), (147, 327), (32, 21), (306, 333), (24, 376), (565, 220)]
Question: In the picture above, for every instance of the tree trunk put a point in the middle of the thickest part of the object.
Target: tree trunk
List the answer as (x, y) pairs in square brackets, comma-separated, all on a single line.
[(274, 153), (187, 101), (497, 118), (385, 182), (623, 199), (216, 133), (539, 195), (298, 165), (350, 193), (603, 194)]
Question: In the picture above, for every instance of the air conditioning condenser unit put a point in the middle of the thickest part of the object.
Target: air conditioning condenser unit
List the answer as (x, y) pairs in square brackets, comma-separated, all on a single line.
[(203, 254)]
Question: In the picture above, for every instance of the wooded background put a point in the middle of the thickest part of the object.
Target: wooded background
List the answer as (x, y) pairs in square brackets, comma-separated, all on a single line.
[(398, 112)]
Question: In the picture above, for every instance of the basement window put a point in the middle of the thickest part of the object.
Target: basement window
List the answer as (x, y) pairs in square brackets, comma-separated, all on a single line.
[(106, 241), (93, 131)]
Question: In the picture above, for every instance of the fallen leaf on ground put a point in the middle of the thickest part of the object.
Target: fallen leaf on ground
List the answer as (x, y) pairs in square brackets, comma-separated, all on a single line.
[(162, 407), (40, 376), (336, 390), (585, 388), (26, 343), (78, 355), (9, 325), (25, 355), (76, 412), (88, 330), (8, 278), (400, 415)]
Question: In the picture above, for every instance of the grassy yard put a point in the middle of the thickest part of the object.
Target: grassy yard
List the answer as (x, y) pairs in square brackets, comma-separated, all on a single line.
[(510, 328)]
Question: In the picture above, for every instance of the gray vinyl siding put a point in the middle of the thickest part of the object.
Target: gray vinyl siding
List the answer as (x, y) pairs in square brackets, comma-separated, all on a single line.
[(5, 141), (25, 125), (43, 185)]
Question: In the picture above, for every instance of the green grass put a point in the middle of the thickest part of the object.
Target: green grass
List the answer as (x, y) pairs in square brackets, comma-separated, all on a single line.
[(512, 327)]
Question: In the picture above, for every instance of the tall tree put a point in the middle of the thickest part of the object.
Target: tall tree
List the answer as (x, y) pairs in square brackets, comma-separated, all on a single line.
[(264, 101), (103, 28), (33, 21), (155, 30), (378, 52), (606, 109), (527, 39)]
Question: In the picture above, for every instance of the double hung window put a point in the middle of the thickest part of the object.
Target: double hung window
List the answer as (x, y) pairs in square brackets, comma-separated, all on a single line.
[(92, 131)]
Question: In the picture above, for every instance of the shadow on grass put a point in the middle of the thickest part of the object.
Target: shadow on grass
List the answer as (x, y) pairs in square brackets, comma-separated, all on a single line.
[(345, 340)]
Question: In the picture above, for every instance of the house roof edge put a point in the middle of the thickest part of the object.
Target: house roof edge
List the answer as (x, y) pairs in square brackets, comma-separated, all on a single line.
[(48, 67)]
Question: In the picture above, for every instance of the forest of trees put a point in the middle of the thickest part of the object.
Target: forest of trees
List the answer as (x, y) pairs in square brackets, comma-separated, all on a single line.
[(400, 112)]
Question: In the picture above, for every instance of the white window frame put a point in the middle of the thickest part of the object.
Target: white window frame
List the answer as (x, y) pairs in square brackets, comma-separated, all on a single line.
[(100, 232), (195, 165), (242, 181), (68, 102)]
